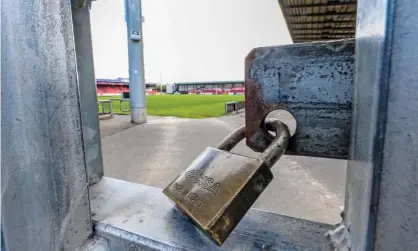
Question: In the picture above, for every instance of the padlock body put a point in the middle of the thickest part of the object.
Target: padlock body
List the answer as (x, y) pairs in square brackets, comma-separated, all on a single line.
[(217, 189)]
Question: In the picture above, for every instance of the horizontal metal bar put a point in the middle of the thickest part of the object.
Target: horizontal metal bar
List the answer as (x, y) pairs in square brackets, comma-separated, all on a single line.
[(311, 40), (321, 28), (325, 34), (321, 37), (315, 40), (325, 22), (333, 13), (329, 4), (137, 216), (322, 33), (308, 39)]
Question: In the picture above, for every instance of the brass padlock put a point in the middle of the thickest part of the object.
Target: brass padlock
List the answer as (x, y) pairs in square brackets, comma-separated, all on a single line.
[(219, 187)]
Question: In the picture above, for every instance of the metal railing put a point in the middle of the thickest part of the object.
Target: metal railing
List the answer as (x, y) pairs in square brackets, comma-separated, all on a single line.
[(234, 106), (124, 104), (105, 107)]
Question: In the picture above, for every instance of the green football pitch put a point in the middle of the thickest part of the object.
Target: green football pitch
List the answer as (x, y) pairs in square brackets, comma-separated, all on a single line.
[(182, 106)]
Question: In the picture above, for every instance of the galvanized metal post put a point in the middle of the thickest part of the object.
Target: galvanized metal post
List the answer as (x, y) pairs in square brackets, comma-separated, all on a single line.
[(136, 61), (382, 177), (88, 93), (45, 204)]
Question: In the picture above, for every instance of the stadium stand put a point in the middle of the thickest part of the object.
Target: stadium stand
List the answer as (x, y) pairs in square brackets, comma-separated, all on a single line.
[(113, 87)]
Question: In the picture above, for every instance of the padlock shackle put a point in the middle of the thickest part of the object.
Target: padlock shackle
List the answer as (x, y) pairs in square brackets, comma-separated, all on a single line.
[(232, 139), (273, 152), (279, 144)]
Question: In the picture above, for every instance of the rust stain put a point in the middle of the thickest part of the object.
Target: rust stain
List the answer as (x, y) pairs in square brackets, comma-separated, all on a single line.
[(227, 221), (257, 137), (321, 108)]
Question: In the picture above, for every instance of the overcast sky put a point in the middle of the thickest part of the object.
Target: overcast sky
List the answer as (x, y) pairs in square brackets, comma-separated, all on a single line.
[(187, 40)]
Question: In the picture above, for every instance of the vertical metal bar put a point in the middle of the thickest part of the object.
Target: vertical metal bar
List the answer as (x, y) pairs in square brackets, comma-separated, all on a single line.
[(111, 109), (136, 61), (45, 204), (88, 93), (3, 245), (382, 176)]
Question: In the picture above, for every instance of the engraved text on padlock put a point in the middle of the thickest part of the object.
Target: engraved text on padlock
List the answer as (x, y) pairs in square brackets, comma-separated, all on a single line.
[(219, 187)]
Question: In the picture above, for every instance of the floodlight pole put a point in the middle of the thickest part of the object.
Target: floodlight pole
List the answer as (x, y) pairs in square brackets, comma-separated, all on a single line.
[(133, 18)]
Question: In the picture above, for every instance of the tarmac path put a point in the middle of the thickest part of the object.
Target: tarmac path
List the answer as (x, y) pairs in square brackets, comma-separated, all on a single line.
[(155, 153)]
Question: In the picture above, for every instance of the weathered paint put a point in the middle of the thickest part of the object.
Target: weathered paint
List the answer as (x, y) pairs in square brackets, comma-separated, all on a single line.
[(312, 81)]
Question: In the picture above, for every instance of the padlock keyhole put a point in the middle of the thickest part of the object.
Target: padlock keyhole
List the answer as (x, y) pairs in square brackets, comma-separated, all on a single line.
[(259, 184)]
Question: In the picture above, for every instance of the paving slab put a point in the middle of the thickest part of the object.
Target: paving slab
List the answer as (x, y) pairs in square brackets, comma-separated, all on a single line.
[(155, 153)]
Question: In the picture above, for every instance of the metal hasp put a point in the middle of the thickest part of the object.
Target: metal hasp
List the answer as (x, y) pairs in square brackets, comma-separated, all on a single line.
[(381, 208), (312, 81), (45, 203), (133, 15)]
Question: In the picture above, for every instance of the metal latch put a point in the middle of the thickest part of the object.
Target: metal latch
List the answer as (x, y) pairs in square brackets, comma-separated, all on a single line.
[(312, 81)]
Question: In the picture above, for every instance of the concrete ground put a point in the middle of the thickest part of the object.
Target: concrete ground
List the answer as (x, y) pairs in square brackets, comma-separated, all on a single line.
[(155, 153)]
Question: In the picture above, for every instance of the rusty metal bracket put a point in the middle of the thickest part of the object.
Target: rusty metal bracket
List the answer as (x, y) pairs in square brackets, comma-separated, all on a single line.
[(312, 81)]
